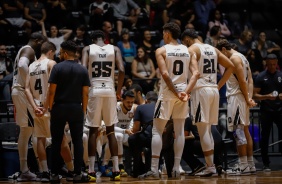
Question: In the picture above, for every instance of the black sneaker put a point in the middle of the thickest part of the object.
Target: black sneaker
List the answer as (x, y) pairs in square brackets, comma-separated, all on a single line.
[(115, 176), (69, 176), (198, 169), (55, 178), (45, 177), (266, 168), (83, 178), (219, 170)]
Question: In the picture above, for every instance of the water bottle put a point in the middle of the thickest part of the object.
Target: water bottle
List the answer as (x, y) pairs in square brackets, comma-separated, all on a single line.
[(98, 177)]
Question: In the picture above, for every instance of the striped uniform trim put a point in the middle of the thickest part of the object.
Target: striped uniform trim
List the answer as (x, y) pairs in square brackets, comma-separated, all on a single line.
[(237, 117), (30, 119), (158, 112), (198, 114)]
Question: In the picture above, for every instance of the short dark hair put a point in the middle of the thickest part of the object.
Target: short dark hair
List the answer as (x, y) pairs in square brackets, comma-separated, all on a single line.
[(37, 36), (224, 43), (46, 46), (128, 93), (173, 28), (69, 45), (152, 96), (190, 33), (214, 30), (97, 34), (136, 88)]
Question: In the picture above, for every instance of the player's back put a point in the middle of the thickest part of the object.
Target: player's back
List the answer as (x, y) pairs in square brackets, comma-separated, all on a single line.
[(177, 62), (101, 68), (39, 75), (207, 64), (232, 84)]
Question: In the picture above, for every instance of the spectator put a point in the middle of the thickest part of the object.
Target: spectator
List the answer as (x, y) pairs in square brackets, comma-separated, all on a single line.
[(268, 89), (214, 36), (149, 46), (128, 50), (57, 36), (56, 13), (202, 12), (216, 18), (81, 38), (143, 68), (110, 36), (13, 15), (265, 46), (256, 62), (244, 42), (99, 11), (125, 11), (241, 24), (35, 12)]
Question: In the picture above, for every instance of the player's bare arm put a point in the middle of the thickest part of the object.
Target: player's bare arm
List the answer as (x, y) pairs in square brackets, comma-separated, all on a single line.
[(160, 56), (240, 76), (85, 56), (258, 96), (121, 72), (85, 91), (227, 64), (193, 67)]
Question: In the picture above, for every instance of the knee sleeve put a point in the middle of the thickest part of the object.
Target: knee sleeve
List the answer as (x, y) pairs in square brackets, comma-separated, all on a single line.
[(239, 135), (179, 141), (119, 137)]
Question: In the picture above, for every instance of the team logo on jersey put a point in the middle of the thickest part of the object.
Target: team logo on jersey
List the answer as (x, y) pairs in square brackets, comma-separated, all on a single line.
[(130, 114), (229, 120), (103, 85), (279, 79)]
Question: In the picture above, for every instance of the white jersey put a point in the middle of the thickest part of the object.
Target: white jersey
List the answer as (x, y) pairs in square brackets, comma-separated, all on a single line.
[(39, 75), (101, 69), (19, 76), (232, 84), (207, 65), (177, 62), (125, 121)]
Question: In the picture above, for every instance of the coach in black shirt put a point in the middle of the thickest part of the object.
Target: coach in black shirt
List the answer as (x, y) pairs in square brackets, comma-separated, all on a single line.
[(68, 97), (268, 89)]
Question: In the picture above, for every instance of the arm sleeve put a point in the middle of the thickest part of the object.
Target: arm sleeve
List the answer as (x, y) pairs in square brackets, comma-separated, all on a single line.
[(119, 130)]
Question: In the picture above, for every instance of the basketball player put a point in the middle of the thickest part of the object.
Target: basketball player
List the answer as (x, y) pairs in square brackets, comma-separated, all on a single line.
[(25, 56), (123, 129), (100, 59), (36, 91), (239, 92), (174, 60), (205, 94)]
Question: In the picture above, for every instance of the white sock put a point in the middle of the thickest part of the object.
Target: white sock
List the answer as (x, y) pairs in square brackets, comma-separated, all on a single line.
[(70, 166), (115, 163), (176, 164), (120, 160), (44, 165), (251, 160), (243, 161), (91, 164), (155, 165)]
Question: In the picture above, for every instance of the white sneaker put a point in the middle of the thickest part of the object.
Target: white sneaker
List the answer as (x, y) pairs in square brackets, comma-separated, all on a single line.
[(239, 170), (209, 171), (150, 175), (175, 174), (253, 169), (27, 176), (182, 172)]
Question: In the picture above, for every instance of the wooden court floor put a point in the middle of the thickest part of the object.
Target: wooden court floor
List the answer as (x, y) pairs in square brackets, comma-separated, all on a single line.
[(274, 177)]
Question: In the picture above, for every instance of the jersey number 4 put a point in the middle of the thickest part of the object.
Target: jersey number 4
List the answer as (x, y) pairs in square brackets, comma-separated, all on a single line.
[(38, 86), (102, 69)]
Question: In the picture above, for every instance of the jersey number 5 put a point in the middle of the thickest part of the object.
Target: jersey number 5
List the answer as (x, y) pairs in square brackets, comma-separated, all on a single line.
[(209, 66), (38, 86), (102, 69)]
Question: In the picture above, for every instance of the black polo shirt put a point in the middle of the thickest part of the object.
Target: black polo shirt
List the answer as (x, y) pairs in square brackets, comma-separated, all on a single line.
[(268, 83), (70, 77)]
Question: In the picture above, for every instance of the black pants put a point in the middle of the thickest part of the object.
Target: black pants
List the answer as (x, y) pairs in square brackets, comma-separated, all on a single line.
[(267, 119), (73, 115), (137, 142), (193, 147)]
